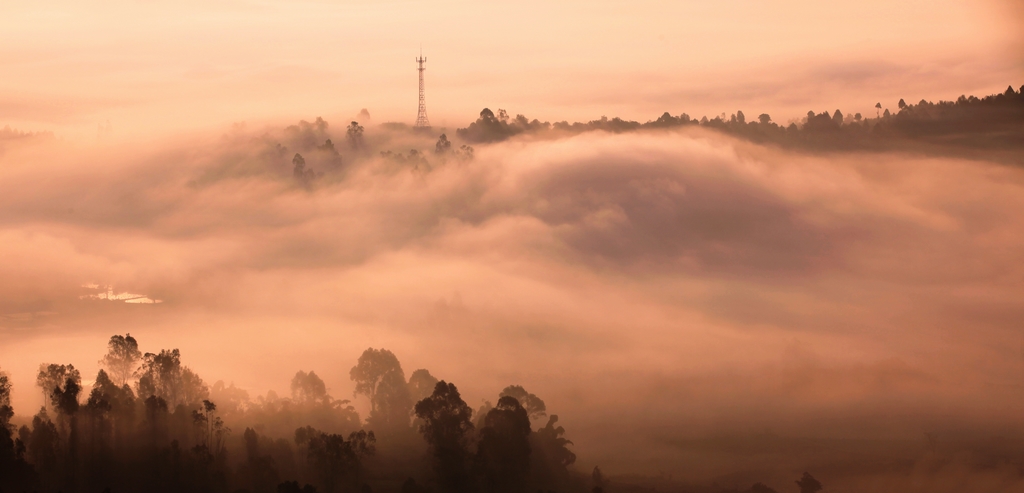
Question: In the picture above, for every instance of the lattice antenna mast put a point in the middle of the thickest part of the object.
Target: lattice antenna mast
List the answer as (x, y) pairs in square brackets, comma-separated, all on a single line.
[(421, 116)]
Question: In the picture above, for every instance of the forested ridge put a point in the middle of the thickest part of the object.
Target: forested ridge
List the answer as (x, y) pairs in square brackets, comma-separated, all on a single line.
[(994, 122)]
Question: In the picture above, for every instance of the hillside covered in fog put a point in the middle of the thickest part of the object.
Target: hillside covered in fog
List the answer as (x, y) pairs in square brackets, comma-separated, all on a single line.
[(689, 305)]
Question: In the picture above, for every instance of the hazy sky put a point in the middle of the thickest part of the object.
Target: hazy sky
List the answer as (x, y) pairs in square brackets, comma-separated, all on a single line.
[(182, 65)]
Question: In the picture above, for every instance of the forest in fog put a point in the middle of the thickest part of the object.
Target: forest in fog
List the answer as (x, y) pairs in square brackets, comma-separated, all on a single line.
[(705, 305), (147, 422), (584, 246), (991, 124)]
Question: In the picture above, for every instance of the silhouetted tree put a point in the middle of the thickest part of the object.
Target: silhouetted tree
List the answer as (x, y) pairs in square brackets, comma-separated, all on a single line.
[(446, 428), (65, 400), (310, 405), (122, 357), (306, 135), (379, 376), (163, 375), (53, 377), (15, 473), (337, 461), (258, 471), (443, 146), (5, 395), (481, 413), (551, 455), (503, 454), (421, 384), (209, 427), (230, 400), (489, 128), (808, 484), (44, 449), (370, 369), (155, 421), (109, 427), (600, 483), (394, 406), (354, 134), (327, 147), (464, 153), (308, 388), (302, 175), (534, 406), (969, 122)]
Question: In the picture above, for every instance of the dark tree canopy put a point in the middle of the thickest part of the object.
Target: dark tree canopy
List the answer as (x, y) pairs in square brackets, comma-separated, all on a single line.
[(379, 376), (122, 358), (5, 390), (53, 380), (174, 435), (163, 375), (443, 145), (393, 406), (551, 456), (808, 484), (308, 387), (960, 127), (534, 406), (446, 428), (354, 134), (336, 460), (421, 384), (15, 473), (503, 454)]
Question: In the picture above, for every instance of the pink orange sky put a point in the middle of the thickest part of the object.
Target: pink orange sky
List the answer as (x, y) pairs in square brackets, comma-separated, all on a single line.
[(150, 66)]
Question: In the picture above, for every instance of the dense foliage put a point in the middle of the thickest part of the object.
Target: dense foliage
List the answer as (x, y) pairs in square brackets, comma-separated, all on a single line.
[(992, 122), (150, 423)]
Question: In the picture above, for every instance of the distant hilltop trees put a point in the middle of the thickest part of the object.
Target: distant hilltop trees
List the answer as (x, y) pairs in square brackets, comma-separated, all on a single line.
[(992, 122)]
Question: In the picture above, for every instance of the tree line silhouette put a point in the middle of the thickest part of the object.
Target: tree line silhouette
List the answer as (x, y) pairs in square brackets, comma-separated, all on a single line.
[(149, 423), (317, 156), (995, 121)]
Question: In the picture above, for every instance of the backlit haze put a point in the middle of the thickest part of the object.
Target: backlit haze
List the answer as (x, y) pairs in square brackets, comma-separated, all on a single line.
[(152, 66), (674, 296)]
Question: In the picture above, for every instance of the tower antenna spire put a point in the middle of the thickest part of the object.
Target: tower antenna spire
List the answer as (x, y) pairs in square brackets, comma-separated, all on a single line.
[(421, 115)]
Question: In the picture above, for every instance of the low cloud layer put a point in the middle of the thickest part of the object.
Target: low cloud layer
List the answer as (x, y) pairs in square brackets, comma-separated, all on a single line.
[(683, 301)]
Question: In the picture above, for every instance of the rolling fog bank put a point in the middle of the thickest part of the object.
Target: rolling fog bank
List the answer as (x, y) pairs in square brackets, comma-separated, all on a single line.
[(697, 309)]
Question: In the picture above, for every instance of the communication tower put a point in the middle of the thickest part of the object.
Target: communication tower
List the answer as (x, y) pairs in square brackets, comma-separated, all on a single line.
[(421, 116)]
